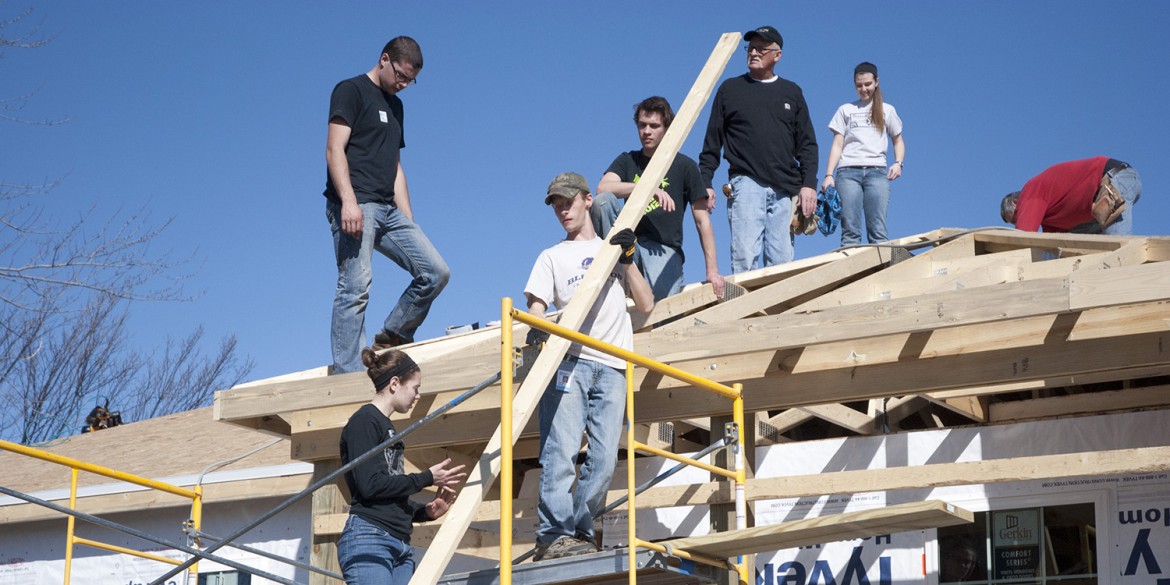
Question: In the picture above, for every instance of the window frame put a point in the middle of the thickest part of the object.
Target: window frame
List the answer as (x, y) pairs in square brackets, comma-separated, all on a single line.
[(1103, 500)]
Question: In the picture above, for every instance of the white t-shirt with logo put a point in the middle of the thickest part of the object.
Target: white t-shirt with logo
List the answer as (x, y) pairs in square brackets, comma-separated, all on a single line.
[(864, 145), (555, 277)]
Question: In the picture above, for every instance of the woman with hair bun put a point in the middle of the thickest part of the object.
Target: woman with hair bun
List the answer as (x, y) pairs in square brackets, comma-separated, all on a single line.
[(374, 548), (861, 130)]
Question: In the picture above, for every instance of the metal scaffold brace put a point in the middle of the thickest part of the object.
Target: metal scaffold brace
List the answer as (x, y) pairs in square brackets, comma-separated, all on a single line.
[(196, 553), (249, 549), (326, 480), (729, 439)]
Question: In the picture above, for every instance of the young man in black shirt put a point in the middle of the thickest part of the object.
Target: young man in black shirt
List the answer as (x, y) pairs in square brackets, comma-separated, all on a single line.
[(368, 206), (659, 247)]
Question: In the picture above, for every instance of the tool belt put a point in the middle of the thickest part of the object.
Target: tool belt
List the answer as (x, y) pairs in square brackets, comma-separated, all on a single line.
[(1107, 204)]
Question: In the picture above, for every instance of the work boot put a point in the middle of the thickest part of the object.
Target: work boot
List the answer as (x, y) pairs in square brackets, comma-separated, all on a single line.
[(588, 547), (565, 546), (386, 340)]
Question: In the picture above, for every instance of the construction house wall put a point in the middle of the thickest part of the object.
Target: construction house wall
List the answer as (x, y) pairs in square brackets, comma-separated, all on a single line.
[(1129, 529), (33, 553)]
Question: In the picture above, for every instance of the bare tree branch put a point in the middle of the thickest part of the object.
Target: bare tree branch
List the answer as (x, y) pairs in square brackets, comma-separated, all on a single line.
[(69, 363), (16, 33), (17, 104), (181, 378), (65, 290), (114, 259), (10, 38), (80, 359)]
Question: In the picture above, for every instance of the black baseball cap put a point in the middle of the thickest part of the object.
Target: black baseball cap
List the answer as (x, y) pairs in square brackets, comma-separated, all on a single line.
[(768, 33)]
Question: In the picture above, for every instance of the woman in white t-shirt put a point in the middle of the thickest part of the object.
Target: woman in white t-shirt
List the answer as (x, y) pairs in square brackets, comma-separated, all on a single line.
[(860, 131)]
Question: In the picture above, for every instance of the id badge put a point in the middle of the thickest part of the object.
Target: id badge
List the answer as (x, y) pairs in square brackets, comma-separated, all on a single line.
[(564, 375)]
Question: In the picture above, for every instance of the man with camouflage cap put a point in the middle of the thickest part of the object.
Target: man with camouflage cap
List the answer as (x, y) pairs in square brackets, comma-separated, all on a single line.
[(587, 394)]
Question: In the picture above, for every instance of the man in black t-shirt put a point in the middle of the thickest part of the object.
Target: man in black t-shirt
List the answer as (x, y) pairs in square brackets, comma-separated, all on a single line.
[(659, 247), (368, 206), (761, 123)]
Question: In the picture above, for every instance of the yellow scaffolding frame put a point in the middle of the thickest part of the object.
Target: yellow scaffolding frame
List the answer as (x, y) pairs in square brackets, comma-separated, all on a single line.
[(195, 495), (734, 392)]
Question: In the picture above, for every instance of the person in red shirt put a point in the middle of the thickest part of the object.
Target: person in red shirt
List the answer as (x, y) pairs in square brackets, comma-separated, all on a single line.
[(1061, 198)]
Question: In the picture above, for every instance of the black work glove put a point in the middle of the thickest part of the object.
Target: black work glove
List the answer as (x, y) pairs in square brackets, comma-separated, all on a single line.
[(536, 337), (625, 239)]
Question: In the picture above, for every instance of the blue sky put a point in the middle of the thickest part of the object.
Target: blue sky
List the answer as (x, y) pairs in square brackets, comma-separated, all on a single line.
[(214, 113)]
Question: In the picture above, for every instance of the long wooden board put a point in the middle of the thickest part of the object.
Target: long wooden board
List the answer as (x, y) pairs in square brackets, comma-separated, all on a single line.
[(916, 267), (922, 313), (431, 567), (1067, 465), (860, 363), (832, 528), (252, 405), (819, 278)]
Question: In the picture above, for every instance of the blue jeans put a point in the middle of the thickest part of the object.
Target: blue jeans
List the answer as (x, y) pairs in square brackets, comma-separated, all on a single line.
[(1129, 186), (391, 233), (660, 264), (761, 232), (592, 401), (606, 208), (369, 555), (863, 189)]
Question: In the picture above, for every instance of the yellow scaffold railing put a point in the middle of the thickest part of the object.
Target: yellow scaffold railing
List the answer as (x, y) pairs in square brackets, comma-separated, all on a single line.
[(195, 495), (734, 392)]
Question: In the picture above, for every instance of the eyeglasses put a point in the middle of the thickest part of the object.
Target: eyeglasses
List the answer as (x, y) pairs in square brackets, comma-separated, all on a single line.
[(759, 50), (403, 79)]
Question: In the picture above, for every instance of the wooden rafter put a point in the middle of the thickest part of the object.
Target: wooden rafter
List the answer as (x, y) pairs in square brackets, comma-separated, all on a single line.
[(893, 365), (924, 313), (842, 416), (917, 267), (1092, 403), (477, 362), (784, 291)]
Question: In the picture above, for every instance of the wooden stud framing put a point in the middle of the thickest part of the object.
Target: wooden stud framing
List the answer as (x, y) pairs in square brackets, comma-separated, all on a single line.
[(327, 500)]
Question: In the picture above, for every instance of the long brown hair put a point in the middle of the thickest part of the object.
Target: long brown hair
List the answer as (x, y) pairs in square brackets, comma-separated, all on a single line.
[(877, 114)]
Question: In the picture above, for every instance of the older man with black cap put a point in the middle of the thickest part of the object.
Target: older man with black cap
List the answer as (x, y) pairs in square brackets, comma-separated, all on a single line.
[(761, 124)]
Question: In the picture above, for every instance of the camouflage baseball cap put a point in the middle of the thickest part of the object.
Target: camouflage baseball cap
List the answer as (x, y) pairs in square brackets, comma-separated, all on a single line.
[(566, 185)]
